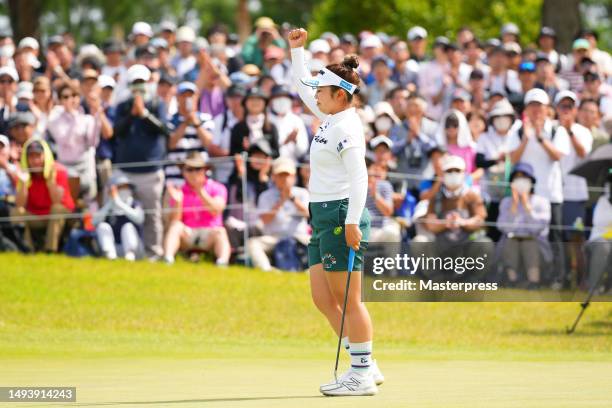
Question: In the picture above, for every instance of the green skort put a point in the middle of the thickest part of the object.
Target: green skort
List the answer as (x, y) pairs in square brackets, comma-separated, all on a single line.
[(328, 244)]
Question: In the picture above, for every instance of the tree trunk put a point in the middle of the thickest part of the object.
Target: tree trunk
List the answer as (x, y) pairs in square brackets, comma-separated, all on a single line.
[(25, 18), (564, 17), (243, 20)]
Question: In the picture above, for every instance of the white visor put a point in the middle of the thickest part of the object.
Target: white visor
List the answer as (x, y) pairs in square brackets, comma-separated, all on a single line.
[(327, 78)]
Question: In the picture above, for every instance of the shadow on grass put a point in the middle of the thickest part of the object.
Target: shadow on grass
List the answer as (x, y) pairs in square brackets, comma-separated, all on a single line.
[(192, 401)]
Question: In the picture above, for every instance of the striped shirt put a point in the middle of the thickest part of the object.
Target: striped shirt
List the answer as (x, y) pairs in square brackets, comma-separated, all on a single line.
[(188, 143)]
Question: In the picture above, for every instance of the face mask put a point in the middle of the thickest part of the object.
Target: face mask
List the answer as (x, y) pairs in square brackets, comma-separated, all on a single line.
[(281, 105), (522, 185), (189, 104), (125, 194), (383, 124), (502, 124), (7, 50), (453, 180)]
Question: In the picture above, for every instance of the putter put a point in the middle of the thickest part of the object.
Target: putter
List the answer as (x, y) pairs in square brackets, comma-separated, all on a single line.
[(351, 261)]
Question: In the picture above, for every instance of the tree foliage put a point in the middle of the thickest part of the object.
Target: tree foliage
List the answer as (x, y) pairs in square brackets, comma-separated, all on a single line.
[(440, 17)]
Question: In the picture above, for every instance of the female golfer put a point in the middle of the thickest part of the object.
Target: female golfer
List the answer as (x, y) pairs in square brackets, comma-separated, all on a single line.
[(338, 189)]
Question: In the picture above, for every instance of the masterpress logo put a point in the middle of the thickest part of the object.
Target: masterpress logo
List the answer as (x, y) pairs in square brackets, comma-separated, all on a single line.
[(411, 264)]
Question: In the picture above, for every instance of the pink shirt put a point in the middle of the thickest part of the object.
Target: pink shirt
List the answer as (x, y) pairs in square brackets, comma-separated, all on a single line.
[(195, 214), (467, 153)]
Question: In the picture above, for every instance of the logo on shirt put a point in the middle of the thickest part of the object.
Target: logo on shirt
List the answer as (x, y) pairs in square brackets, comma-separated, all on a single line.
[(341, 145), (320, 139), (328, 261)]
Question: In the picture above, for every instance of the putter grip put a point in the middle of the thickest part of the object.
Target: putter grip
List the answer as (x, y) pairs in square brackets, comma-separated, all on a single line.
[(351, 259)]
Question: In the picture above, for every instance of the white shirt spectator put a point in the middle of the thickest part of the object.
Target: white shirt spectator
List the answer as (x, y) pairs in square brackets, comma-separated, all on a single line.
[(504, 83), (602, 218), (285, 125), (575, 188), (224, 123), (548, 173), (287, 222)]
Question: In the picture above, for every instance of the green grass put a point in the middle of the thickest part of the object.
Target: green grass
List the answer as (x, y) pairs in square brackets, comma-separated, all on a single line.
[(226, 336)]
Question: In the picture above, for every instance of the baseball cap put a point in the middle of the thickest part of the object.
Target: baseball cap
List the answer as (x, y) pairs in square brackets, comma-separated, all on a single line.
[(167, 26), (236, 90), (55, 40), (166, 77), (502, 108), (536, 95), (527, 66), (510, 28), (265, 23), (565, 95), (319, 45), (525, 168), (512, 47), (547, 32), (35, 146), (4, 140), (371, 41), (28, 42), (138, 72), (581, 44), (453, 162), (21, 118), (381, 139), (106, 81), (416, 33), (441, 41), (283, 165), (348, 39), (159, 42), (185, 34), (142, 28), (24, 90), (10, 71), (187, 86)]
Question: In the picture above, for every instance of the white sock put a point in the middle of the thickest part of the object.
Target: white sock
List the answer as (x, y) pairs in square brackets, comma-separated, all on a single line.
[(345, 344), (361, 356)]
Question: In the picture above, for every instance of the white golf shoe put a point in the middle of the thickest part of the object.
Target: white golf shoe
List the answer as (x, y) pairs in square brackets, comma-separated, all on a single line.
[(376, 374), (350, 383)]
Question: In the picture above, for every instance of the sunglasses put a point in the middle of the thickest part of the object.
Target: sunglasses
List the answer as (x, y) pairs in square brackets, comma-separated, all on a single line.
[(193, 169), (68, 96)]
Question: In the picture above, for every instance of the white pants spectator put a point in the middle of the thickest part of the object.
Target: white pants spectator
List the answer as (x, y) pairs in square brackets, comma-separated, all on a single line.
[(130, 240), (260, 248), (148, 188)]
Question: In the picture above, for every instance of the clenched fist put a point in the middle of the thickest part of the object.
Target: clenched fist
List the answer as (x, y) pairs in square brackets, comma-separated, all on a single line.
[(297, 38)]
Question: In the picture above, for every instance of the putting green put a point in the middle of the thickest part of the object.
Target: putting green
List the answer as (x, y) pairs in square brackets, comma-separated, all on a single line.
[(192, 335)]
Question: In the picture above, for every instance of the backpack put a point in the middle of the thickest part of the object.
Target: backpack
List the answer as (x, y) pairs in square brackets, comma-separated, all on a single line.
[(289, 255)]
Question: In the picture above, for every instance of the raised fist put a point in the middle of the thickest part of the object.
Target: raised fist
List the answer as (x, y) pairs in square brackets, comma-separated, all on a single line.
[(297, 37)]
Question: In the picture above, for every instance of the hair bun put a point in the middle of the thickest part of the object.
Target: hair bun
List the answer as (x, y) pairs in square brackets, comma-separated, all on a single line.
[(351, 61)]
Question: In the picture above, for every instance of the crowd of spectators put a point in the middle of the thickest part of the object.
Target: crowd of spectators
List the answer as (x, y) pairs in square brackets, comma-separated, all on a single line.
[(169, 141)]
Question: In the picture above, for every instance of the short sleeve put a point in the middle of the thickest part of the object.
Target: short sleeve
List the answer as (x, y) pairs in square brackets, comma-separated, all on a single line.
[(513, 139), (219, 190), (561, 140)]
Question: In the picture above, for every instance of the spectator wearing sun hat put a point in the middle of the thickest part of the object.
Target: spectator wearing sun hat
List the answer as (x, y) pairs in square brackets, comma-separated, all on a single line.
[(265, 35), (184, 61), (283, 211)]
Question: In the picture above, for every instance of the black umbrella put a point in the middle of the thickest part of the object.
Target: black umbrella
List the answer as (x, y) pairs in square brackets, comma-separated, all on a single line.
[(596, 167)]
